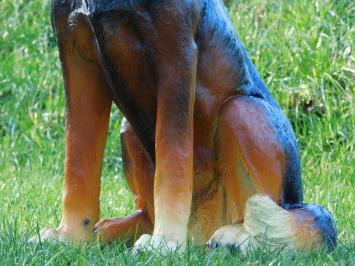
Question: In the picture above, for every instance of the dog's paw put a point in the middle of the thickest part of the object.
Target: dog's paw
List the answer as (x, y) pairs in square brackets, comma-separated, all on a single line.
[(158, 243), (64, 234), (234, 237), (46, 235)]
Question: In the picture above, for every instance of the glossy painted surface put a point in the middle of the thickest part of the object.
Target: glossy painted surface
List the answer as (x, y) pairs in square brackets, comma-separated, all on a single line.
[(203, 132), (315, 225)]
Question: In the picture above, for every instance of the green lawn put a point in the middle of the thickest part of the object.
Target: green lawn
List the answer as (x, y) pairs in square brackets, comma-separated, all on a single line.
[(304, 51)]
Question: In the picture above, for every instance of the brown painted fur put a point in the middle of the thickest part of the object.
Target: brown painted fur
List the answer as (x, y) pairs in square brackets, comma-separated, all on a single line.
[(201, 133)]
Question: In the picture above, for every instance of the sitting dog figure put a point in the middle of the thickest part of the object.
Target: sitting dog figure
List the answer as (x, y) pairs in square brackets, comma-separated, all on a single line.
[(207, 152)]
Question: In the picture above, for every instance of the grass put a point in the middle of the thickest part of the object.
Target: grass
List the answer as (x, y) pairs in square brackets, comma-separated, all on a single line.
[(304, 51)]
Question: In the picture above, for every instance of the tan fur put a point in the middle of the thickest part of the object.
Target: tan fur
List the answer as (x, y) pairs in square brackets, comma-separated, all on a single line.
[(199, 140), (266, 223)]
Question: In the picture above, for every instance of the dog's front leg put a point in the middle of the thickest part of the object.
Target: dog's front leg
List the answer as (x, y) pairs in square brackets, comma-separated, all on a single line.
[(88, 110), (177, 59)]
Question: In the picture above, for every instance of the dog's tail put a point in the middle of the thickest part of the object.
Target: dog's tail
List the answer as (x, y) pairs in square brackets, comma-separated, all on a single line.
[(301, 226)]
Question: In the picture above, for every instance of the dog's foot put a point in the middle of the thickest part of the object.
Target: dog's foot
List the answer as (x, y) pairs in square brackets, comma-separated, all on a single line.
[(159, 244), (234, 237), (47, 235), (60, 235)]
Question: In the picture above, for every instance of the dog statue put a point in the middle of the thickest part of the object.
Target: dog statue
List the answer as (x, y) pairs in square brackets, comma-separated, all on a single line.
[(207, 152)]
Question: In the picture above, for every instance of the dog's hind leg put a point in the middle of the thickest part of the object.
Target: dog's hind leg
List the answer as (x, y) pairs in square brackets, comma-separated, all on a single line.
[(257, 154), (139, 171), (303, 227)]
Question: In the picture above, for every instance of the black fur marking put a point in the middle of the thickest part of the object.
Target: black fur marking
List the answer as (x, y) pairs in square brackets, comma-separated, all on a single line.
[(86, 222)]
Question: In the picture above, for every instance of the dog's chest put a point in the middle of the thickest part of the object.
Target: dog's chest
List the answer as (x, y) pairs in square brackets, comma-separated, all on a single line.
[(121, 44), (126, 56)]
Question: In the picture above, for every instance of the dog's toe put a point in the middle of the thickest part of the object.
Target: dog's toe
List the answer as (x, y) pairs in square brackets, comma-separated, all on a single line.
[(233, 237)]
